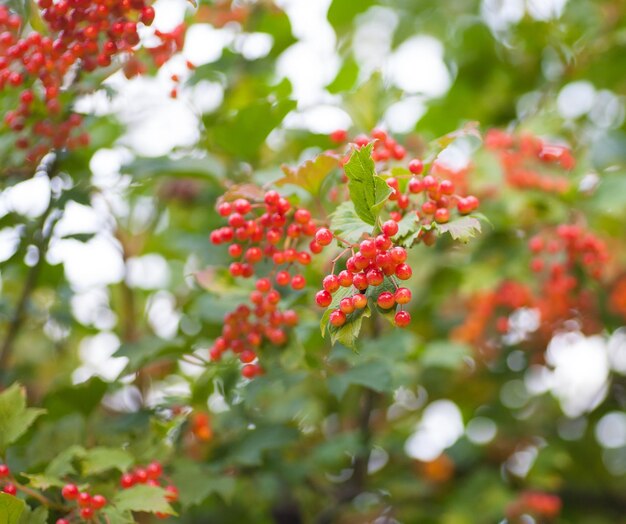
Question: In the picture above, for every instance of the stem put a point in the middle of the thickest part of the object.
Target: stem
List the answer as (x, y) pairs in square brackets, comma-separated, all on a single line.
[(40, 498)]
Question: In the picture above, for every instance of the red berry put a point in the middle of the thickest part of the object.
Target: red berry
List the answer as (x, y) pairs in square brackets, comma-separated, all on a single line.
[(360, 282), (430, 183), (323, 298), (403, 271), (386, 300), (127, 480), (323, 236), (375, 277), (84, 500), (390, 228), (242, 206), (302, 216), (315, 247), (359, 301), (416, 166), (4, 470), (10, 489), (416, 185), (338, 136), (442, 215), (247, 356), (87, 513), (397, 254), (346, 305), (403, 295), (402, 318), (70, 491), (141, 475), (446, 187), (154, 470), (330, 283), (98, 502), (345, 278), (337, 318), (283, 278), (368, 248), (171, 491), (298, 282), (62, 521), (147, 15), (235, 250), (263, 285)]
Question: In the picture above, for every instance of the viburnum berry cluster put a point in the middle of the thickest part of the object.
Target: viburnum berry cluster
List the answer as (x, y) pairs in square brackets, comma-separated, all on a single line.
[(150, 475), (429, 196), (273, 241), (87, 505), (80, 35), (8, 486), (370, 261), (531, 163)]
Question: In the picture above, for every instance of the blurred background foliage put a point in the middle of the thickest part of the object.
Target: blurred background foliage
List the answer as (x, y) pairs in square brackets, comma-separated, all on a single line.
[(110, 284)]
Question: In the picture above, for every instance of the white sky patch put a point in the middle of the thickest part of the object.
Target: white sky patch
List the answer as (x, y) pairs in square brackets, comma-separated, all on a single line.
[(373, 38), (580, 371), (441, 426), (89, 264), (500, 14), (162, 314), (545, 9), (169, 14), (171, 386), (91, 308), (417, 66), (318, 119), (611, 430), (148, 272), (617, 350), (481, 430), (253, 46), (576, 99), (402, 116), (96, 356), (29, 198), (9, 241), (204, 44)]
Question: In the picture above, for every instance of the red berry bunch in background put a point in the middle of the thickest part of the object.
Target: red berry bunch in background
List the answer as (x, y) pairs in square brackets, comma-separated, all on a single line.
[(87, 505), (372, 262), (273, 241), (530, 163), (536, 503), (385, 147), (150, 475), (80, 36)]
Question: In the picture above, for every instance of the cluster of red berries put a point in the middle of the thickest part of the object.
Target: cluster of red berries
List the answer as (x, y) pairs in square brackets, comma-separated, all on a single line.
[(430, 199), (86, 504), (491, 309), (433, 198), (80, 34), (385, 147), (526, 161), (537, 503), (5, 478), (269, 230), (151, 476), (371, 261), (560, 250)]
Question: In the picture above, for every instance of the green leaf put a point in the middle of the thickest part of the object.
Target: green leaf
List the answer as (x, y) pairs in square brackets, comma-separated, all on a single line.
[(148, 349), (242, 134), (311, 174), (349, 332), (341, 293), (342, 12), (44, 481), (98, 460), (249, 451), (462, 228), (374, 375), (445, 354), (195, 483), (83, 398), (37, 516), (15, 417), (368, 191), (346, 77), (62, 464), (11, 509), (150, 499), (117, 516), (81, 237), (202, 168), (347, 223)]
